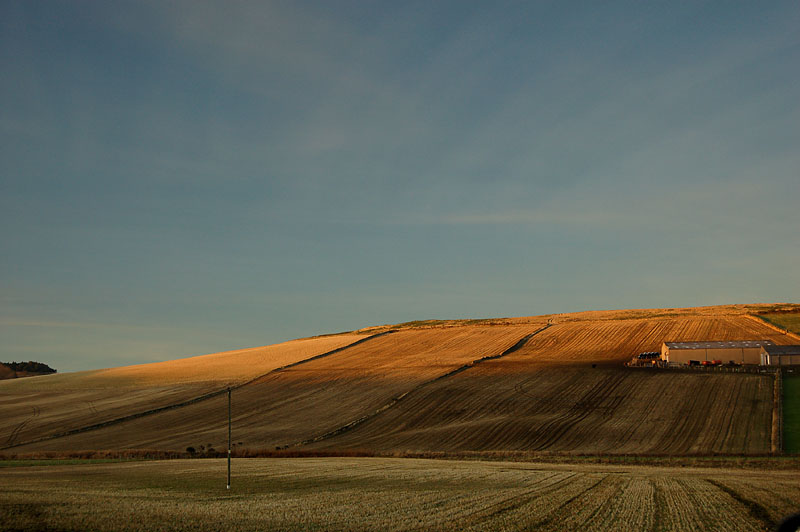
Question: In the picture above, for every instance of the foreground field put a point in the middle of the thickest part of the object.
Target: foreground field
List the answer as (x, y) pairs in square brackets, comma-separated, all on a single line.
[(391, 494)]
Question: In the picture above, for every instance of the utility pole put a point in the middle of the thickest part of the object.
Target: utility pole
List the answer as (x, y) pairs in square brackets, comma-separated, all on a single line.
[(229, 437)]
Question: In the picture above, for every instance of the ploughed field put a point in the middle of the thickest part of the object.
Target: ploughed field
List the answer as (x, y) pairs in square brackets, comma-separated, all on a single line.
[(510, 384), (392, 494)]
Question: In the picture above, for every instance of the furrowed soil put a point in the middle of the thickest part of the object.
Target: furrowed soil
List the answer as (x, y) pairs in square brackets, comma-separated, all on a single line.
[(550, 383), (391, 494), (580, 410)]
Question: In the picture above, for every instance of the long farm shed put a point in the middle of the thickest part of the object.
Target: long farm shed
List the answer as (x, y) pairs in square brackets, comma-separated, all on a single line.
[(736, 351)]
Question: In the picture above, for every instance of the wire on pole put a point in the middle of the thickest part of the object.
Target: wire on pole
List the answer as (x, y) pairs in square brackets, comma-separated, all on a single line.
[(229, 438)]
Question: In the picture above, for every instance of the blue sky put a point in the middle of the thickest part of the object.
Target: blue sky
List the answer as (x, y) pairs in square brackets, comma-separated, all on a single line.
[(178, 178)]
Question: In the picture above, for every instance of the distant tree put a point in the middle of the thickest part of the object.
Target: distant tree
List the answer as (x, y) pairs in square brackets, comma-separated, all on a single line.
[(191, 450), (30, 366)]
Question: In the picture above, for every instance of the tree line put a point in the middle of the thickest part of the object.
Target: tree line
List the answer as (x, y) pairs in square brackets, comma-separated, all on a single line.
[(29, 366)]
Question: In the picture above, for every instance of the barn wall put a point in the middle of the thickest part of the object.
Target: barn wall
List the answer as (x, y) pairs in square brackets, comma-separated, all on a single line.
[(784, 360), (740, 356), (683, 356), (752, 355)]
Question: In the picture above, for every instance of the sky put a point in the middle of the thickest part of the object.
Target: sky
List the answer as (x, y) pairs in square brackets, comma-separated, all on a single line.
[(180, 178)]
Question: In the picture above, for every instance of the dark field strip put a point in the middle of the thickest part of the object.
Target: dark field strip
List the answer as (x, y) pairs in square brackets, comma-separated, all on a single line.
[(59, 462), (575, 410), (763, 462), (391, 494), (791, 412)]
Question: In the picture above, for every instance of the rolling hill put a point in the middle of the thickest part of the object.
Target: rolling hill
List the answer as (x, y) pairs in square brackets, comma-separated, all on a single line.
[(544, 383)]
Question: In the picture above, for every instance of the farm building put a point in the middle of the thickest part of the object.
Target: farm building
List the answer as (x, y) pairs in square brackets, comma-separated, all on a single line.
[(780, 355), (737, 351)]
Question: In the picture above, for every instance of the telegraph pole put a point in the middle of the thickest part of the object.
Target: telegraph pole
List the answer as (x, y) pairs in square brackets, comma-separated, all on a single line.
[(229, 437)]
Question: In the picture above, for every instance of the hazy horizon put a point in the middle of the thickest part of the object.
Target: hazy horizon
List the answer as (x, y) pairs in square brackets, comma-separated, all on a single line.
[(184, 178)]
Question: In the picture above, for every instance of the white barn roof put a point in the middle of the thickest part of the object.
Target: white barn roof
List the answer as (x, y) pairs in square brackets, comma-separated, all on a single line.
[(734, 344)]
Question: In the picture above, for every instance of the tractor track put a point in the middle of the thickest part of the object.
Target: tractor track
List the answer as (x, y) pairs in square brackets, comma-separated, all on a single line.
[(15, 433), (11, 442), (756, 510), (558, 513), (517, 501), (554, 429)]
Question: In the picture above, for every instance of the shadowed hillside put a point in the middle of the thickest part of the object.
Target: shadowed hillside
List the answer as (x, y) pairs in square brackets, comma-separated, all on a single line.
[(503, 384)]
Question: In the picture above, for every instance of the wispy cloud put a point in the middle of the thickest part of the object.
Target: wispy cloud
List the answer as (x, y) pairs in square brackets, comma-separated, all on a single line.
[(535, 217), (22, 322)]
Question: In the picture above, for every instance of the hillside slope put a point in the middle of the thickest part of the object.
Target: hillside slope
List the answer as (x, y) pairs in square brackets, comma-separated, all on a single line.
[(290, 405), (505, 384), (43, 406)]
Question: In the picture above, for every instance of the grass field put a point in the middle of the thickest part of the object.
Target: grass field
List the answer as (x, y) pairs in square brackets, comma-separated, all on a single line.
[(391, 494), (791, 413), (785, 320)]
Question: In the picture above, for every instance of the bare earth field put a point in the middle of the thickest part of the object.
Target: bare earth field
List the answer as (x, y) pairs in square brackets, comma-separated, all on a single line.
[(391, 494), (551, 383)]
